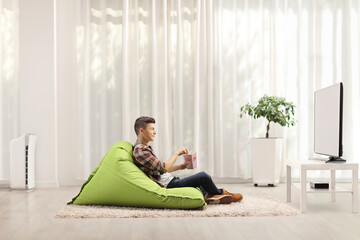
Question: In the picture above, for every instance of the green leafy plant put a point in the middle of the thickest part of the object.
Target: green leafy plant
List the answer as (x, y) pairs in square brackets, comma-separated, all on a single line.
[(274, 109)]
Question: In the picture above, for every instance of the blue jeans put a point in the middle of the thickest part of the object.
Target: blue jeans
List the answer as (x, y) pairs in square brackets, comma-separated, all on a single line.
[(201, 180)]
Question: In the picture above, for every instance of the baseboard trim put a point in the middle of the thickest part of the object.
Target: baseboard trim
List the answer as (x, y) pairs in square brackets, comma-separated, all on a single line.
[(231, 180), (46, 184), (76, 182), (4, 183), (72, 182)]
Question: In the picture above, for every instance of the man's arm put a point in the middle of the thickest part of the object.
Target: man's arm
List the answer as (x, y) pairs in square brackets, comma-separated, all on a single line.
[(177, 167), (169, 164)]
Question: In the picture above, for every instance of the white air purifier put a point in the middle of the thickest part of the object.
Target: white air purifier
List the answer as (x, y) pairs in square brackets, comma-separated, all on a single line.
[(22, 162)]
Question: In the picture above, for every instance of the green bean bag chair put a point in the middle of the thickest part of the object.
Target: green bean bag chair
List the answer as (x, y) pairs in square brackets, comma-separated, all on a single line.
[(118, 181)]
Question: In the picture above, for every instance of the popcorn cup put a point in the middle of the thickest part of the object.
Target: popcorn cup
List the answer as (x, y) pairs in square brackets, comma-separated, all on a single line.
[(190, 160)]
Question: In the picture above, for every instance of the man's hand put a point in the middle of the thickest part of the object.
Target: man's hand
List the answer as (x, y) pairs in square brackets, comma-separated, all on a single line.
[(169, 164), (182, 151)]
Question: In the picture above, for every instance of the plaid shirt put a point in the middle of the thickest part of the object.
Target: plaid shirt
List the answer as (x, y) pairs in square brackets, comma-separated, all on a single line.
[(146, 160)]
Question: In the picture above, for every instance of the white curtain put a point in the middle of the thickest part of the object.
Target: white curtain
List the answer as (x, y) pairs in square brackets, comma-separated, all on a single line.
[(9, 46), (191, 64)]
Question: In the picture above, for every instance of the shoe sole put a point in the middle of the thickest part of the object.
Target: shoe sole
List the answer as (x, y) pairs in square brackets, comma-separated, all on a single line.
[(212, 201), (225, 199)]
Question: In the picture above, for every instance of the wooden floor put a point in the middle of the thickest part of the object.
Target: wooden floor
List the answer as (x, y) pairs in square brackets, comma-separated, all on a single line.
[(30, 215)]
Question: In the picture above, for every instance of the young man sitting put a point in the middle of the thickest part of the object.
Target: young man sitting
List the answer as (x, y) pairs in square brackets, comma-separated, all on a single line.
[(160, 172)]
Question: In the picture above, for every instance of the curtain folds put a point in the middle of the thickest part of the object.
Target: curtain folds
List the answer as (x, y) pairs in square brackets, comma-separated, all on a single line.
[(9, 45), (191, 64)]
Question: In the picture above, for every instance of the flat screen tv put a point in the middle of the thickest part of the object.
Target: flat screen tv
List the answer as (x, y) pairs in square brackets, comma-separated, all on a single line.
[(328, 122)]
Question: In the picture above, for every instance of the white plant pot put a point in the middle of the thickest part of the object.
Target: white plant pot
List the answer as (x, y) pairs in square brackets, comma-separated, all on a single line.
[(266, 160)]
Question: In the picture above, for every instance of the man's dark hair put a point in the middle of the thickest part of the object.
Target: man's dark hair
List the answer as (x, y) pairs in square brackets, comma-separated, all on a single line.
[(141, 122)]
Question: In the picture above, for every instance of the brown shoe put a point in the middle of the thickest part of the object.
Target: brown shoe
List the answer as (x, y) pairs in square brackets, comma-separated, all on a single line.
[(218, 199), (236, 196)]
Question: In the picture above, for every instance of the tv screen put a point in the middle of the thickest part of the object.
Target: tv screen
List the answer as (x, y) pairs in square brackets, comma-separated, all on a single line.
[(328, 114)]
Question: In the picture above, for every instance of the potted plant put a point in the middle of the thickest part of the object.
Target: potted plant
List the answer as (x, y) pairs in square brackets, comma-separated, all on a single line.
[(266, 152)]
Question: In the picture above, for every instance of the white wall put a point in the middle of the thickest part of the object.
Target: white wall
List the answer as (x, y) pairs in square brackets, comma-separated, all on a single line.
[(37, 96)]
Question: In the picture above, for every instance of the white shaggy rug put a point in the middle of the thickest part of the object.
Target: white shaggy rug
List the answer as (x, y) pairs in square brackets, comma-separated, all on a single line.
[(249, 206)]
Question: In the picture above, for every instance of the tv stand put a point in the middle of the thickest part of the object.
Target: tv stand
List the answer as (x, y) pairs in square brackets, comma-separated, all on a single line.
[(305, 165), (335, 160)]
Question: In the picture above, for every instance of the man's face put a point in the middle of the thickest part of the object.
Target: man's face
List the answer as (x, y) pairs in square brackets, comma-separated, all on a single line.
[(149, 132)]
